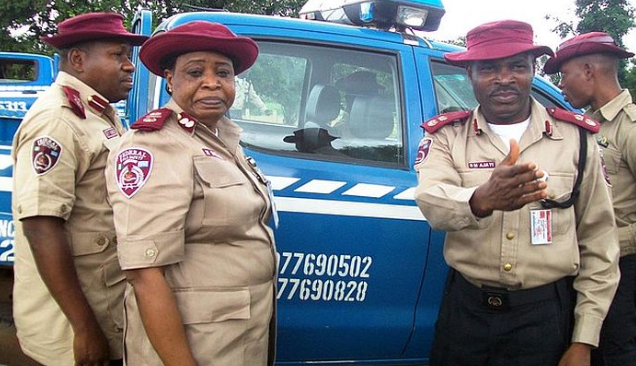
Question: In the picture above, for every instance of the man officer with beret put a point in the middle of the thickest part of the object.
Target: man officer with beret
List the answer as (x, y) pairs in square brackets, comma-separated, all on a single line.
[(69, 288), (589, 66), (520, 191)]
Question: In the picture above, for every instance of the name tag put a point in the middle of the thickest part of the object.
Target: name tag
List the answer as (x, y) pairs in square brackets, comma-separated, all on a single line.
[(541, 227)]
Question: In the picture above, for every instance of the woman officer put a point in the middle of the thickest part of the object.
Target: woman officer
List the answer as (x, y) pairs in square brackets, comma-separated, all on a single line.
[(191, 213)]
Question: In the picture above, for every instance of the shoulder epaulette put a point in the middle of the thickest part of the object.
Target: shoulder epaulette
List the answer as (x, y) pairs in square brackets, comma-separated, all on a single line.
[(152, 121), (75, 102), (578, 119), (441, 120)]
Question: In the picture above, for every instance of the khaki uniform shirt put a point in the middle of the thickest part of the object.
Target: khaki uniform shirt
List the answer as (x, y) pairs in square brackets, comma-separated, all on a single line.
[(497, 250), (69, 185), (199, 209), (617, 139)]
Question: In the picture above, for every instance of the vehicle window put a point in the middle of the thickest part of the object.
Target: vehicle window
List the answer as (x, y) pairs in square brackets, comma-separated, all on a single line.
[(321, 103), (12, 71), (453, 89)]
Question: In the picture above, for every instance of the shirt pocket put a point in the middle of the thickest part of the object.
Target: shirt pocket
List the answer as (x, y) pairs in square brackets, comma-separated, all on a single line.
[(612, 160), (212, 306), (474, 177), (217, 322), (224, 189), (560, 187)]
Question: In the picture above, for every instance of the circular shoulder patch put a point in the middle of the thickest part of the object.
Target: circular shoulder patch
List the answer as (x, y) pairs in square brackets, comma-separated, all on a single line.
[(45, 154), (133, 169)]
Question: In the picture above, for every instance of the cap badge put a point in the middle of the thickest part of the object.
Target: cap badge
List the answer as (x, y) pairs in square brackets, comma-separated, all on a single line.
[(45, 155), (133, 169)]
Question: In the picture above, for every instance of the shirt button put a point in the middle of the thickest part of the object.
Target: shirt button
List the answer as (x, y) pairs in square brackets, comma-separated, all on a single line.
[(510, 235), (19, 209), (507, 267), (63, 208), (150, 253), (101, 241), (551, 196)]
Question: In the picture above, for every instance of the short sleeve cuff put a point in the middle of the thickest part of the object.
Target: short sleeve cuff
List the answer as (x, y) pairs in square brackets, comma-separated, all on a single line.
[(34, 207), (587, 329), (156, 251)]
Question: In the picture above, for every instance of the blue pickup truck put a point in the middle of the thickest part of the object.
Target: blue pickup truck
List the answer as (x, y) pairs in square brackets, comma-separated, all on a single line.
[(344, 92)]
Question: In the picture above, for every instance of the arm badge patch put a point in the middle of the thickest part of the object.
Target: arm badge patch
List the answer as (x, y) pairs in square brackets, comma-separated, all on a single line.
[(133, 169), (45, 154)]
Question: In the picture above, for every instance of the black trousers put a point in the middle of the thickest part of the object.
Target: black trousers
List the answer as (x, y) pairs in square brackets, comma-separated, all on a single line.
[(494, 327), (618, 336)]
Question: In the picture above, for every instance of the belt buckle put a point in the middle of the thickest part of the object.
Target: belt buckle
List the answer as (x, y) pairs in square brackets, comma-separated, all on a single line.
[(496, 299)]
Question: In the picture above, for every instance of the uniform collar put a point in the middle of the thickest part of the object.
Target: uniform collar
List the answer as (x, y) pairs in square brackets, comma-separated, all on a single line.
[(184, 120), (541, 124), (89, 96), (610, 110), (228, 131)]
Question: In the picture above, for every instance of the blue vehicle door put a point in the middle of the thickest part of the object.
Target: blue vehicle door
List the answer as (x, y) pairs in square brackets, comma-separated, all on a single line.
[(23, 77), (324, 113)]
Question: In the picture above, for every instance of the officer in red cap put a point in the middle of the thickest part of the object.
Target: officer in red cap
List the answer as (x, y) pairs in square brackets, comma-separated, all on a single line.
[(521, 193), (69, 288), (589, 65), (191, 213)]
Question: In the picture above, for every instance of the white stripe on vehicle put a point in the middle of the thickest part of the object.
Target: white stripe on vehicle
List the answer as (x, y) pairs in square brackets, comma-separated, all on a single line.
[(280, 183), (5, 161), (320, 186), (348, 208), (408, 194), (5, 184), (368, 190)]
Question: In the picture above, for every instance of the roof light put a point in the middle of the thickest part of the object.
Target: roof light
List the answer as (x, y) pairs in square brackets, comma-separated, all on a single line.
[(417, 14), (411, 17)]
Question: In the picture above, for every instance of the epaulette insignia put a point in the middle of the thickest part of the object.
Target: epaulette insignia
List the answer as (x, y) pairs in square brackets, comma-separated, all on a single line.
[(186, 121), (152, 121), (98, 103), (441, 120), (578, 119), (75, 102)]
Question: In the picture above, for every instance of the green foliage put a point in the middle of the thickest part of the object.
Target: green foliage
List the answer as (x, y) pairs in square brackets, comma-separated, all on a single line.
[(22, 22), (615, 17)]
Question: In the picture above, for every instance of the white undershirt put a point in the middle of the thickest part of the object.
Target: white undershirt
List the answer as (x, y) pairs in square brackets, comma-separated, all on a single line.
[(512, 131)]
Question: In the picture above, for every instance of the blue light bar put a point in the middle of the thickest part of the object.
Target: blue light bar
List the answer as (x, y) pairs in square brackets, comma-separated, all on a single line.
[(424, 15)]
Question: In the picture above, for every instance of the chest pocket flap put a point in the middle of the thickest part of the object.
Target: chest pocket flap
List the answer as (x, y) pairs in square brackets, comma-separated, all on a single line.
[(218, 173)]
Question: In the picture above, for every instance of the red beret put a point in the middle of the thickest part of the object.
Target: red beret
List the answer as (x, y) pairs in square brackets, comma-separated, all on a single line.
[(495, 40), (584, 44), (92, 27), (198, 36)]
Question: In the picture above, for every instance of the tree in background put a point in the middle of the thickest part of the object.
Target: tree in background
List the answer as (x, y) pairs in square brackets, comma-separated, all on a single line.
[(30, 19), (615, 17)]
